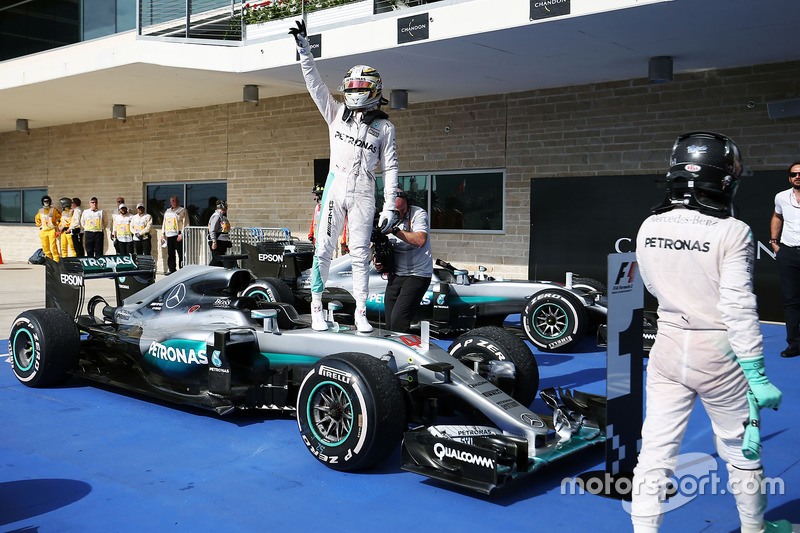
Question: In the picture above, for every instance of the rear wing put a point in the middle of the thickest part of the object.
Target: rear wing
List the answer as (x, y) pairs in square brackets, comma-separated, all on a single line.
[(65, 280)]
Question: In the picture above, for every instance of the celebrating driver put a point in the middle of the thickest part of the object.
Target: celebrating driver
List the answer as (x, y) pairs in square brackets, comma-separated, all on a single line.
[(360, 137)]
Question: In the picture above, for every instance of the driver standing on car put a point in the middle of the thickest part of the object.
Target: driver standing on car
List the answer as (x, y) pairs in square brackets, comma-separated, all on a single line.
[(698, 261), (360, 136), (413, 266)]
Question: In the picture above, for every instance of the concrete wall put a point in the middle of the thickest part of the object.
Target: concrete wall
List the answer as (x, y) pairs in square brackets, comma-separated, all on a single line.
[(266, 152)]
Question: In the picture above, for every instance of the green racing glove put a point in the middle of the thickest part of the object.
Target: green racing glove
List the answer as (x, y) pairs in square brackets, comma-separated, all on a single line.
[(751, 446), (766, 394)]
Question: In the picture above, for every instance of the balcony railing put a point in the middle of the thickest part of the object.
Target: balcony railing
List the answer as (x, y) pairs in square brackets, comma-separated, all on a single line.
[(223, 21)]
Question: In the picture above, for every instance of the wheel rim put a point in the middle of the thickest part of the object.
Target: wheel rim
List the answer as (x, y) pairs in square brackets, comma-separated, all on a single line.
[(550, 320), (24, 351), (330, 413), (259, 295)]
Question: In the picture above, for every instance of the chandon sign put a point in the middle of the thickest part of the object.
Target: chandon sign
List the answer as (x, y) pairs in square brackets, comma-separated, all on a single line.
[(410, 29), (542, 9)]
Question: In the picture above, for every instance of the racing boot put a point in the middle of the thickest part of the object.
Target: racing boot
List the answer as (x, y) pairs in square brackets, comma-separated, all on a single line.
[(362, 324), (781, 526), (317, 314)]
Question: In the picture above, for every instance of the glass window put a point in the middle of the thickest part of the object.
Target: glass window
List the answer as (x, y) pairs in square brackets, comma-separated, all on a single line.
[(21, 205), (199, 199), (99, 18), (31, 203), (126, 15), (10, 206), (468, 201), (471, 202)]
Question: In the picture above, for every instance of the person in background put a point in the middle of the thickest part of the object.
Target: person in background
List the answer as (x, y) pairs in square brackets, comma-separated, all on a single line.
[(413, 265), (785, 241), (175, 220), (94, 223), (121, 231), (708, 344), (141, 226), (75, 227), (219, 233), (48, 218), (312, 232), (67, 248)]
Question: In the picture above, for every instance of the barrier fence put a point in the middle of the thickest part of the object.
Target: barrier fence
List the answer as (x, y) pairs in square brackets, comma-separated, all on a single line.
[(197, 252)]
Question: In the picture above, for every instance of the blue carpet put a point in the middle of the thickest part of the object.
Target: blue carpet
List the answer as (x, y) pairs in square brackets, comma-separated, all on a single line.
[(83, 458)]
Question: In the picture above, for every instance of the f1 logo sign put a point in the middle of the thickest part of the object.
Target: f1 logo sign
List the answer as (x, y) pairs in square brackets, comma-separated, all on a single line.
[(627, 270)]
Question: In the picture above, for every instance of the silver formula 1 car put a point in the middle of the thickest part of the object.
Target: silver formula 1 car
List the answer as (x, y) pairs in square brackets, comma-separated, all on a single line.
[(192, 338), (554, 316)]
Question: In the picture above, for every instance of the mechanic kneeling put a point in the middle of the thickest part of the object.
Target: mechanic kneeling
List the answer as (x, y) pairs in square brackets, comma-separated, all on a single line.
[(413, 268)]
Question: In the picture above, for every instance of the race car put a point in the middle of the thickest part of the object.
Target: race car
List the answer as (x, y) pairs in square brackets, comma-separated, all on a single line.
[(554, 316), (192, 338)]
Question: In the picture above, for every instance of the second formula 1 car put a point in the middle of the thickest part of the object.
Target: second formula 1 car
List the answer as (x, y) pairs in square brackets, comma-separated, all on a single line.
[(555, 316)]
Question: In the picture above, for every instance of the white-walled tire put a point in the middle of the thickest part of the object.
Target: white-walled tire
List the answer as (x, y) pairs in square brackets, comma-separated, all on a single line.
[(44, 346), (554, 321), (351, 411)]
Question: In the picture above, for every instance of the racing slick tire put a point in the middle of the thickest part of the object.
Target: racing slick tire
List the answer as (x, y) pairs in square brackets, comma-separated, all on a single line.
[(478, 347), (351, 411), (44, 346), (269, 290), (554, 321), (589, 285)]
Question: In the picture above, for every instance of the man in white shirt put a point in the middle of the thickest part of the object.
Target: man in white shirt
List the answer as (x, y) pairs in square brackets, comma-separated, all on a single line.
[(175, 219), (785, 241)]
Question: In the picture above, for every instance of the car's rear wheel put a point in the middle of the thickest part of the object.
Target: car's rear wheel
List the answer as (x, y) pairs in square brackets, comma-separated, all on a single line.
[(269, 290), (479, 347), (350, 411), (44, 346), (554, 321)]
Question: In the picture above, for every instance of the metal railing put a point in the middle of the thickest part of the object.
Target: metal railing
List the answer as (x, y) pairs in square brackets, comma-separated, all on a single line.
[(195, 241), (384, 6), (221, 21), (217, 20)]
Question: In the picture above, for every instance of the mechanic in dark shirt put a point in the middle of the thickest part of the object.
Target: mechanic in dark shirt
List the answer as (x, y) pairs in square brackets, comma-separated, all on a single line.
[(413, 265), (219, 236)]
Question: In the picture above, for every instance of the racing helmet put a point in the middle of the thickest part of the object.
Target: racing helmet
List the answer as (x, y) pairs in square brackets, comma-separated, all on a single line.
[(66, 203), (361, 87), (46, 198), (704, 173)]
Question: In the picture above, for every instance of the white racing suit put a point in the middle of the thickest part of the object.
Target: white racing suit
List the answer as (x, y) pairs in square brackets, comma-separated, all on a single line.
[(700, 268), (356, 148)]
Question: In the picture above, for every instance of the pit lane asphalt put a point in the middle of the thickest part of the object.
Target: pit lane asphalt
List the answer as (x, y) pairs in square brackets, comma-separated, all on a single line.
[(81, 457)]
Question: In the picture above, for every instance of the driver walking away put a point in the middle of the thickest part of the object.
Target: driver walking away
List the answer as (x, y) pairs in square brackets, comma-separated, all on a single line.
[(413, 266), (360, 137), (697, 260)]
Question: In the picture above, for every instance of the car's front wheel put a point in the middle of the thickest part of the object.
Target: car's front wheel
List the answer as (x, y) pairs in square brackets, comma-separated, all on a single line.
[(554, 321), (350, 411), (44, 346), (479, 347)]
